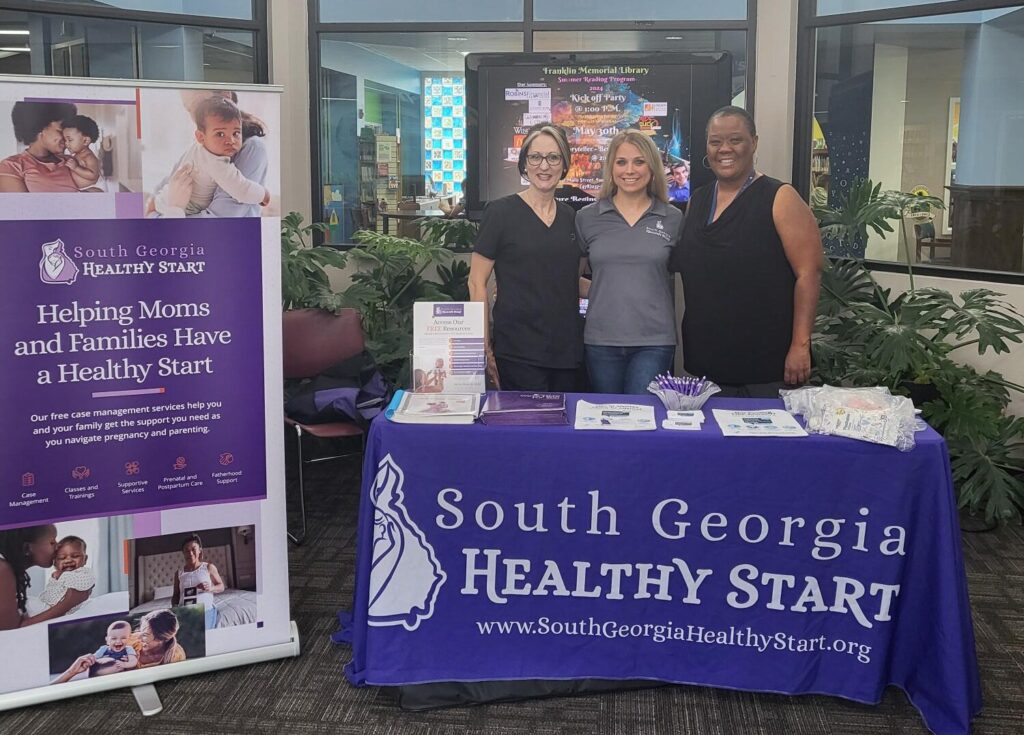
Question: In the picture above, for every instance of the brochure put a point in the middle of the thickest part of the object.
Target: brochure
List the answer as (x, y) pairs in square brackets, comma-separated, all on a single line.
[(614, 416), (507, 408), (683, 420), (434, 408), (448, 347), (769, 422)]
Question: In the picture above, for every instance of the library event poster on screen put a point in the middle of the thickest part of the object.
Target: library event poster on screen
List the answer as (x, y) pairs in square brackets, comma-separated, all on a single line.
[(593, 103)]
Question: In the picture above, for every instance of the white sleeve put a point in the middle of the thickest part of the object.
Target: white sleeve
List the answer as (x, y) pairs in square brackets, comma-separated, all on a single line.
[(230, 179), (165, 209)]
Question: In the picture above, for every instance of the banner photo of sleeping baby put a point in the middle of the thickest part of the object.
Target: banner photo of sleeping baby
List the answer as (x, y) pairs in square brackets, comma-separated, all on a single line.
[(214, 569), (76, 148), (63, 571), (209, 153), (112, 644)]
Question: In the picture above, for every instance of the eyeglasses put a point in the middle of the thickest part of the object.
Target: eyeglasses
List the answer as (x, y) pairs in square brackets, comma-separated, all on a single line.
[(535, 159)]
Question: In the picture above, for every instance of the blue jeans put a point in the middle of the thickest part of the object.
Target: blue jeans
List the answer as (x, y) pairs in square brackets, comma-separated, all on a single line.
[(626, 369)]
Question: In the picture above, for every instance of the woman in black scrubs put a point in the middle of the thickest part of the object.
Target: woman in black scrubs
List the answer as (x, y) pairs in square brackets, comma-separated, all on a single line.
[(527, 240)]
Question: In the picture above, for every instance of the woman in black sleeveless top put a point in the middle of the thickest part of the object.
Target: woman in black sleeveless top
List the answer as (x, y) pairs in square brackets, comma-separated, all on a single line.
[(750, 258)]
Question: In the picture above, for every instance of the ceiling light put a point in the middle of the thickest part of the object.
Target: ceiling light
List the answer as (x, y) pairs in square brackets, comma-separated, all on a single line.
[(457, 38), (13, 33), (16, 49), (673, 38), (464, 53)]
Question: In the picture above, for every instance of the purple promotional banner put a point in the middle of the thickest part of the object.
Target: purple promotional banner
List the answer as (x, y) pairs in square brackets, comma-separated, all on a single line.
[(132, 361)]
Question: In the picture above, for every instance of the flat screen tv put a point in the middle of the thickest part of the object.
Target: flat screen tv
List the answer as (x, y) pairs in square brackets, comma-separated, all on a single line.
[(593, 96)]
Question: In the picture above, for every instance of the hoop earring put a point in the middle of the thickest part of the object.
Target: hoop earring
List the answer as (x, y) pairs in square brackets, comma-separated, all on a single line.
[(704, 162)]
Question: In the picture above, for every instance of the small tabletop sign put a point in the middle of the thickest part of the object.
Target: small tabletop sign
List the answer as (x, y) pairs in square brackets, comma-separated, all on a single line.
[(448, 347)]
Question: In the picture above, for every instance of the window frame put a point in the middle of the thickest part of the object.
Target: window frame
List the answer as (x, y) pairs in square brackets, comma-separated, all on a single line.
[(808, 23)]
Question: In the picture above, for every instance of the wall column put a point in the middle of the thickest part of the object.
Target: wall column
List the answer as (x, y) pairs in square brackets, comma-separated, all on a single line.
[(289, 67), (775, 86)]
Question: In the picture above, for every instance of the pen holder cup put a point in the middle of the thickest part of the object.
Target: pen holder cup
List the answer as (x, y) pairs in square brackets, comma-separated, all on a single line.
[(676, 401)]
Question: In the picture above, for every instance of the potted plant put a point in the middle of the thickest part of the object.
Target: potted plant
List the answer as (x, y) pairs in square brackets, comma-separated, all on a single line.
[(388, 280), (864, 335), (304, 279)]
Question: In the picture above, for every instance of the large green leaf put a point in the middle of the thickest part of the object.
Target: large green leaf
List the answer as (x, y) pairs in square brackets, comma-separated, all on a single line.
[(981, 314), (989, 470), (864, 207)]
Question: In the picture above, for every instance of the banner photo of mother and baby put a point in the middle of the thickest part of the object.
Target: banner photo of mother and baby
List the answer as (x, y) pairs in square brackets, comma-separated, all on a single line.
[(137, 152), (142, 509)]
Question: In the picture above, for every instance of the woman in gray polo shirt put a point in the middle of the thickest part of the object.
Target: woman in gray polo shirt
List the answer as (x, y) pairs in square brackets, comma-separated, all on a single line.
[(627, 236)]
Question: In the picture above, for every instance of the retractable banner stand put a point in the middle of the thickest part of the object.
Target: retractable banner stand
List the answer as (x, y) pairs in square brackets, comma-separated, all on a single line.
[(142, 511)]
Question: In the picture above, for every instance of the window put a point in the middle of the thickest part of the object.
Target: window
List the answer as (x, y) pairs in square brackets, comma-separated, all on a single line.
[(645, 10), (241, 9), (133, 48), (378, 145), (404, 11), (390, 122), (932, 105)]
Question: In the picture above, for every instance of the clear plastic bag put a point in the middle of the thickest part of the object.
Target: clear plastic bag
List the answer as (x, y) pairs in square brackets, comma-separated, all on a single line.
[(868, 414)]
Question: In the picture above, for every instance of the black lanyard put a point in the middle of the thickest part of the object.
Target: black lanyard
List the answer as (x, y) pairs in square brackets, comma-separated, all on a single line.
[(714, 195)]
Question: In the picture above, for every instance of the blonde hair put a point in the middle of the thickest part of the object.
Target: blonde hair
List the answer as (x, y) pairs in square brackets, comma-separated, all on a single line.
[(657, 187)]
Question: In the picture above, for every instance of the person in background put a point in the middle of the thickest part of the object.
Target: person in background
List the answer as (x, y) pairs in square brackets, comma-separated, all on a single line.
[(626, 237), (20, 550), (155, 643), (750, 259), (526, 240), (197, 581), (70, 573), (679, 182), (41, 166), (80, 132), (252, 161)]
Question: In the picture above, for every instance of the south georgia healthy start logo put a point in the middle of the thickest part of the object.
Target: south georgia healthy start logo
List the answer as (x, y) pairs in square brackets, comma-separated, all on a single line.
[(56, 267), (405, 576)]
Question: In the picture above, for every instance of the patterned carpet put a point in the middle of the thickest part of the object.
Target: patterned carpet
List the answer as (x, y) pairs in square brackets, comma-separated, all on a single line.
[(310, 695)]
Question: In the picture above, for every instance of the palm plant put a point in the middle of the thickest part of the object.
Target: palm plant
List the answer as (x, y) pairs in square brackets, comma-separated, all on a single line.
[(866, 336)]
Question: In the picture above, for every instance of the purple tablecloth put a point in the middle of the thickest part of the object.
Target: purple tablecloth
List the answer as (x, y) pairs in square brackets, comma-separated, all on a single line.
[(801, 565)]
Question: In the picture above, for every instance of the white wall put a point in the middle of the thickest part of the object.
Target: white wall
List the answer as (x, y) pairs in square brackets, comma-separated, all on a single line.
[(888, 103)]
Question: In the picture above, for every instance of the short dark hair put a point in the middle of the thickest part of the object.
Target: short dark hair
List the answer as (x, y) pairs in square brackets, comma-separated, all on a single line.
[(219, 107), (555, 131), (72, 540), (733, 111), (31, 118), (85, 125)]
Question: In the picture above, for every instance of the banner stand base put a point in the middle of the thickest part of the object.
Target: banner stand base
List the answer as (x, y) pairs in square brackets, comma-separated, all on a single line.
[(141, 682), (148, 700)]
